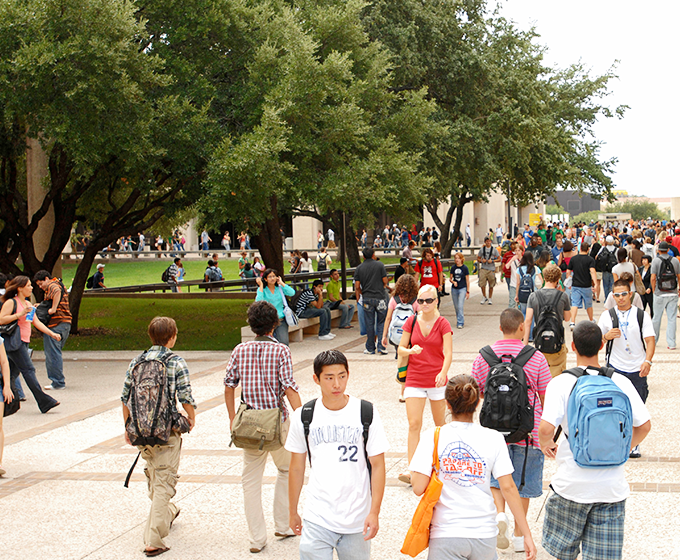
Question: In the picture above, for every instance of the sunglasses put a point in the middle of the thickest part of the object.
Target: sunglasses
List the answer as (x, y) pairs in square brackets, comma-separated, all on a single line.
[(620, 294), (428, 301)]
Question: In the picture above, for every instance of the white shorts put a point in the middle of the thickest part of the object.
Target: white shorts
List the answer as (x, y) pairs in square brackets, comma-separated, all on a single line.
[(432, 393)]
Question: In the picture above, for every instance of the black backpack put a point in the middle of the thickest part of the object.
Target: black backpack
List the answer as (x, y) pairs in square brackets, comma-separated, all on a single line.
[(605, 260), (667, 278), (366, 420), (549, 329), (526, 286), (506, 407), (90, 282), (166, 275), (321, 263), (615, 325)]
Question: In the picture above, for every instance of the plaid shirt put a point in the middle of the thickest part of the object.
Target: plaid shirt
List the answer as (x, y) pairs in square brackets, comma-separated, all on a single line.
[(177, 377), (265, 368)]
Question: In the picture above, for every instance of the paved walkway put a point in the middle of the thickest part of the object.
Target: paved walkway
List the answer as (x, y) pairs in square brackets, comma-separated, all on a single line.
[(63, 496)]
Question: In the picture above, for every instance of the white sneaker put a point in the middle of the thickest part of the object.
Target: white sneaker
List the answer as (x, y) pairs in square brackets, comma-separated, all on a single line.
[(326, 337), (483, 302), (572, 325), (518, 543), (368, 352), (489, 302), (332, 335), (503, 538)]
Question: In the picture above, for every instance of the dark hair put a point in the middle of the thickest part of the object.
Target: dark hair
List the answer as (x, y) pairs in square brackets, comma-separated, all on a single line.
[(332, 270), (316, 283), (211, 262), (406, 288), (247, 266), (41, 275), (267, 272), (567, 246), (177, 259), (543, 259), (528, 261), (161, 330), (262, 318), (587, 339), (12, 286), (646, 258), (585, 246), (462, 394), (623, 282), (3, 280), (511, 319), (329, 358), (621, 255), (305, 255), (368, 253)]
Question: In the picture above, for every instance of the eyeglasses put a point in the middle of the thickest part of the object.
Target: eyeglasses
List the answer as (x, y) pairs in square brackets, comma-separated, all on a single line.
[(620, 294), (428, 301)]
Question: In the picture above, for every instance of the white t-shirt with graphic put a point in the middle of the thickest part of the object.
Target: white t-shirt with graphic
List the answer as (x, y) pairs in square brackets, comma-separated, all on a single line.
[(338, 495), (628, 352), (587, 486), (468, 455)]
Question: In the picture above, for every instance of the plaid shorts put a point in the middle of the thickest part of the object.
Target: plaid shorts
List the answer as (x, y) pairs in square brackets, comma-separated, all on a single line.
[(599, 527)]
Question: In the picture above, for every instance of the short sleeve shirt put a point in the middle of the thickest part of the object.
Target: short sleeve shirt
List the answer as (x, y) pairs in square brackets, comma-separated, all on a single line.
[(423, 368), (370, 274), (460, 274), (429, 272), (547, 296), (656, 269), (488, 253), (580, 265)]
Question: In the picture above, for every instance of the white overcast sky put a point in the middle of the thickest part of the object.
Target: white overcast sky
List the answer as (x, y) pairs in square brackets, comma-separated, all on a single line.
[(643, 37)]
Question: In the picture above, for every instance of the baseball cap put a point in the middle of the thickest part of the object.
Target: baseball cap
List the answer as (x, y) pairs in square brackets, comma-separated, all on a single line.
[(100, 265), (663, 246), (609, 239)]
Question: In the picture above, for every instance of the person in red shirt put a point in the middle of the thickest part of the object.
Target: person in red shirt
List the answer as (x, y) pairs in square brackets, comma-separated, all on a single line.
[(676, 239), (428, 342), (429, 271)]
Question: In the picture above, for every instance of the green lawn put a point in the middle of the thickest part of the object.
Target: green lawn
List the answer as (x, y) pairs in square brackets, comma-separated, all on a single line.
[(121, 324)]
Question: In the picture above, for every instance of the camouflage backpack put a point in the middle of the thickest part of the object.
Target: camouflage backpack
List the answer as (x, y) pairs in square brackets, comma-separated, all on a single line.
[(151, 418)]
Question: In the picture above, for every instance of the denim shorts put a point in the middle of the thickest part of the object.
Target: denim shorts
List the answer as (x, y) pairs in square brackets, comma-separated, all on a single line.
[(533, 478), (581, 295)]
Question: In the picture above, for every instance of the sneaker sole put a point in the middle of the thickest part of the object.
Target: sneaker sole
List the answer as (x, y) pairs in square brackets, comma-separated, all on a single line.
[(502, 540)]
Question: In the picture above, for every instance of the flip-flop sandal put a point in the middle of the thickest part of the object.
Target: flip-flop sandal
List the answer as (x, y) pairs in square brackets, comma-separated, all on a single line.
[(156, 551), (176, 516)]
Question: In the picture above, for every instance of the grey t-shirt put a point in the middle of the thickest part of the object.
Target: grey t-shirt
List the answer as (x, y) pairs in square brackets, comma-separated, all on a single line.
[(656, 269), (490, 253), (370, 274), (546, 297)]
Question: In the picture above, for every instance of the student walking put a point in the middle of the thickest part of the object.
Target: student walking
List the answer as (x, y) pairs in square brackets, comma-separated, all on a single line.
[(470, 456), (586, 510), (664, 281), (581, 270), (511, 262), (370, 281), (537, 375), (162, 459), (346, 444), (646, 275), (487, 257), (460, 288), (631, 341), (427, 341), (527, 278), (264, 369), (548, 307)]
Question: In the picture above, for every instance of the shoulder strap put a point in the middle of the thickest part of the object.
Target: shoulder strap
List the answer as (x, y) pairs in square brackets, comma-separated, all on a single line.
[(306, 416), (576, 372), (615, 325), (556, 301), (606, 372), (489, 356), (641, 320), (525, 354), (366, 421), (435, 453)]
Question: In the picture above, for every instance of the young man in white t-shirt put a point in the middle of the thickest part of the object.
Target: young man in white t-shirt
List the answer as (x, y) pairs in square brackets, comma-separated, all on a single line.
[(587, 508), (628, 354), (342, 500)]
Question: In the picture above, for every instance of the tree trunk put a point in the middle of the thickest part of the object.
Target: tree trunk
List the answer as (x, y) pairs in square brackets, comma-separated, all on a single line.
[(75, 297), (351, 246), (268, 240)]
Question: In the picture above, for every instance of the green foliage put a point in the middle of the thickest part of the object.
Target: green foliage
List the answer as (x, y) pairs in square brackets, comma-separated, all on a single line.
[(638, 209), (586, 217), (554, 209)]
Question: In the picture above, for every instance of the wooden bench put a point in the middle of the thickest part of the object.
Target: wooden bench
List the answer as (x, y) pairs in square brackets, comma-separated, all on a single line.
[(304, 327)]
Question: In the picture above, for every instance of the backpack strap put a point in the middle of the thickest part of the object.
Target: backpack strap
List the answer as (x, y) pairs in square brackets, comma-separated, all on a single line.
[(489, 356), (641, 320), (615, 325), (306, 416), (366, 421), (525, 354)]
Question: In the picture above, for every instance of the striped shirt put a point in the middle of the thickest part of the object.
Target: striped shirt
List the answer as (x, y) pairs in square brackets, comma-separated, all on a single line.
[(264, 367), (306, 297), (536, 370), (177, 377), (56, 290)]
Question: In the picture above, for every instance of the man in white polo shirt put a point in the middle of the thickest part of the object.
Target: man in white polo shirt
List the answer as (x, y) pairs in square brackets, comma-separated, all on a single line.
[(630, 337)]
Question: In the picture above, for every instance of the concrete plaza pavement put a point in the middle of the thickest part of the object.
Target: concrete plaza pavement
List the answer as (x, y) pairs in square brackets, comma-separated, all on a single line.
[(63, 495)]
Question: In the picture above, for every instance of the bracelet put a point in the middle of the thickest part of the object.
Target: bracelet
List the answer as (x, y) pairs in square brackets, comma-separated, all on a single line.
[(650, 363)]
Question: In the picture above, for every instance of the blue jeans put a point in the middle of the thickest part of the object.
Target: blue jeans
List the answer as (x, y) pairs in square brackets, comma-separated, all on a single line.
[(523, 309), (53, 358), (607, 283), (324, 316), (347, 313), (458, 297), (581, 296), (281, 333), (318, 543), (204, 245), (20, 362), (670, 304), (533, 476), (374, 308)]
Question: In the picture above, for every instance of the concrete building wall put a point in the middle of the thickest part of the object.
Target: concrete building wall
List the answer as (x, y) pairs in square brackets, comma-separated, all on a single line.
[(675, 208), (305, 231)]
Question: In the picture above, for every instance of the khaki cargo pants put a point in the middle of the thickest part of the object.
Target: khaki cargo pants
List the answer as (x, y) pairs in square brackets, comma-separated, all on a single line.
[(557, 362), (162, 464)]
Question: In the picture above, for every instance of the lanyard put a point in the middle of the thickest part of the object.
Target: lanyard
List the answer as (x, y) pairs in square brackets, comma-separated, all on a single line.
[(622, 324)]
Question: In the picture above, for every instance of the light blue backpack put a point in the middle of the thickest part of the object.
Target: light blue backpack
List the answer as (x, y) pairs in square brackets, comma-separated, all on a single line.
[(600, 420)]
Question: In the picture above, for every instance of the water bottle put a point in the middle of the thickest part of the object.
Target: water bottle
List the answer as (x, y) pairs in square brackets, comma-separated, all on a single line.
[(30, 315)]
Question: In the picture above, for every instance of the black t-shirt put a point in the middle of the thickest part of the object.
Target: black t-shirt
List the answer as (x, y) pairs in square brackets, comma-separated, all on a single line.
[(399, 273), (370, 274), (580, 266), (98, 279), (460, 274)]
